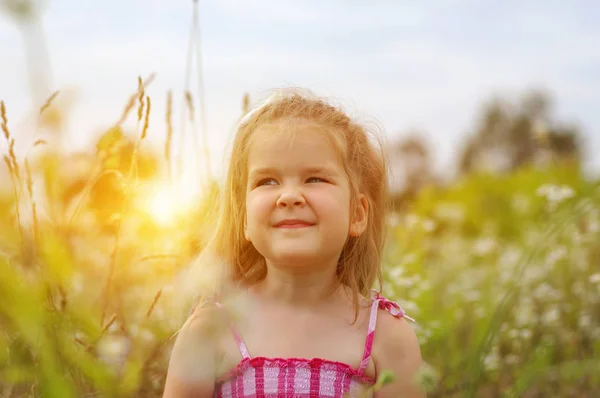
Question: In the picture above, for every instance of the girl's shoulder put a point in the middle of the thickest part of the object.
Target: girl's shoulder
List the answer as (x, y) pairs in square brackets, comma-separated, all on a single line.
[(396, 347), (194, 357)]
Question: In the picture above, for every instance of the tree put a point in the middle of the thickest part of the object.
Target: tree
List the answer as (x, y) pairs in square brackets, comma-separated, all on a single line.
[(411, 167), (509, 136)]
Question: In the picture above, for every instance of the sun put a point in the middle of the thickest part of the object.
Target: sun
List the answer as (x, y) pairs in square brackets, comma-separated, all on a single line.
[(166, 203), (161, 207)]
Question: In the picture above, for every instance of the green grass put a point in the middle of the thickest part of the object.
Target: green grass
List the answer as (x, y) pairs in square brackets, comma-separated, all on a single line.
[(501, 275)]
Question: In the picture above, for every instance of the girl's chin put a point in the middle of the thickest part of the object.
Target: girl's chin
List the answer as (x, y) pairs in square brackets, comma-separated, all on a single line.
[(295, 260)]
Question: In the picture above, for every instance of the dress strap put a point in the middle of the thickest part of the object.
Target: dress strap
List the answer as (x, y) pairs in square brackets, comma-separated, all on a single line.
[(393, 308), (236, 335)]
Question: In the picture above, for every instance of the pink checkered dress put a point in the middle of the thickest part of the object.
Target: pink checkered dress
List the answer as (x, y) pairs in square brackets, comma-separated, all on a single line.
[(258, 377)]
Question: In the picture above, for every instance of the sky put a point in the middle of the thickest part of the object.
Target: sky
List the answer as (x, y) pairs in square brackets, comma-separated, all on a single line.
[(401, 65)]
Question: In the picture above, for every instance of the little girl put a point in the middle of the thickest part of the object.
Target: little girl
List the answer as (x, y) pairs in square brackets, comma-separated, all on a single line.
[(301, 233)]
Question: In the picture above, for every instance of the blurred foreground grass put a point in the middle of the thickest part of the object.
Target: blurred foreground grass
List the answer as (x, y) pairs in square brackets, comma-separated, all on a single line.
[(500, 271)]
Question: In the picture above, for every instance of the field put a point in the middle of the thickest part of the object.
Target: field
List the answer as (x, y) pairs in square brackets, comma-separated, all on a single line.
[(501, 272)]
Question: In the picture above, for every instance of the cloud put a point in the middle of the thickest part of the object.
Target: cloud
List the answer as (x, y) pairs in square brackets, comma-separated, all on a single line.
[(426, 65)]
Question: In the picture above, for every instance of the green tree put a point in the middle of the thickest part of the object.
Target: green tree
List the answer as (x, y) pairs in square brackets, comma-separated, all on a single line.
[(411, 167), (508, 136)]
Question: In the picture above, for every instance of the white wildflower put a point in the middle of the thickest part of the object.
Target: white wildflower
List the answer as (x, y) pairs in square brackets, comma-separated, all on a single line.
[(551, 316), (393, 220), (555, 255), (134, 330), (543, 291), (396, 273), (595, 278), (427, 378), (594, 222), (472, 295), (577, 238), (585, 321), (533, 273), (409, 307), (484, 246), (77, 283), (521, 203), (425, 285), (429, 225), (578, 289), (450, 212), (113, 349), (480, 312), (555, 194), (509, 257), (404, 282), (491, 361), (434, 324), (524, 313), (409, 258), (147, 336), (411, 220), (526, 334)]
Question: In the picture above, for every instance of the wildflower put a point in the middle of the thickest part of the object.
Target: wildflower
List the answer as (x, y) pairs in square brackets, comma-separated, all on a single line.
[(450, 212), (113, 349), (484, 246), (551, 316), (526, 334), (427, 377), (585, 321), (555, 194), (429, 225), (480, 312), (412, 220), (393, 220), (521, 203), (472, 295), (595, 278), (396, 273), (555, 255), (491, 361)]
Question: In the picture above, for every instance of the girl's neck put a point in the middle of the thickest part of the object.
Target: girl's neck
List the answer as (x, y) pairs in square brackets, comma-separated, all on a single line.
[(297, 288)]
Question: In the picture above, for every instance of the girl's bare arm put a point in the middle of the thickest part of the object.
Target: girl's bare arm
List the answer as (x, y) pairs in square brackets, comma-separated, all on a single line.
[(192, 365)]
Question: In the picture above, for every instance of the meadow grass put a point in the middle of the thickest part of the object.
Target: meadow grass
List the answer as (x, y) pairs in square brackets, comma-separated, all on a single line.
[(500, 271)]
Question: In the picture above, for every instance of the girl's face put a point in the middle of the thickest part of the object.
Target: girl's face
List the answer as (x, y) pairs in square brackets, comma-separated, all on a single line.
[(297, 197)]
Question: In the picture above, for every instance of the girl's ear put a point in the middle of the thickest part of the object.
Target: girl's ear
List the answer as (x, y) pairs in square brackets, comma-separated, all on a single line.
[(358, 223)]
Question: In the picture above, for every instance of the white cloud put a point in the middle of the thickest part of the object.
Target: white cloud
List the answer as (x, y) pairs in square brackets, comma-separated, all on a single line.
[(424, 65)]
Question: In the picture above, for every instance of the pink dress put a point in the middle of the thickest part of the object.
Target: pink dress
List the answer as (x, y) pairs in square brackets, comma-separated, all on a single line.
[(257, 377)]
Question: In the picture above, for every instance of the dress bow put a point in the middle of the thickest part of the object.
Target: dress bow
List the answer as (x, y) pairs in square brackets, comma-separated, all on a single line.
[(391, 306)]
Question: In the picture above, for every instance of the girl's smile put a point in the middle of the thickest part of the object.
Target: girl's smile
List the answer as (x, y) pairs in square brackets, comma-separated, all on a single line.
[(293, 223)]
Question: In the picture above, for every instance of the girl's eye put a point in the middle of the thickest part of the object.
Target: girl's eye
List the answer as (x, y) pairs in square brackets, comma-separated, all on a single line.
[(266, 181), (316, 179)]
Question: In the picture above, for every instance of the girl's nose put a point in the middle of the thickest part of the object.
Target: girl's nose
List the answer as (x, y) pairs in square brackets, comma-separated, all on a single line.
[(291, 198)]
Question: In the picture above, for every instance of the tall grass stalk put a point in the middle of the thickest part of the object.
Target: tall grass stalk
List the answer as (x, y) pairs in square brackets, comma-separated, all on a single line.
[(129, 184), (97, 171), (13, 169)]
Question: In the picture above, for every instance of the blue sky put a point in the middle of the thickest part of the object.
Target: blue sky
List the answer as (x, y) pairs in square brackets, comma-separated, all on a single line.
[(424, 65)]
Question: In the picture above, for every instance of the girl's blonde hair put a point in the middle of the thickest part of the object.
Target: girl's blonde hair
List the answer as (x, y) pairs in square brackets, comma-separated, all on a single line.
[(365, 163)]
